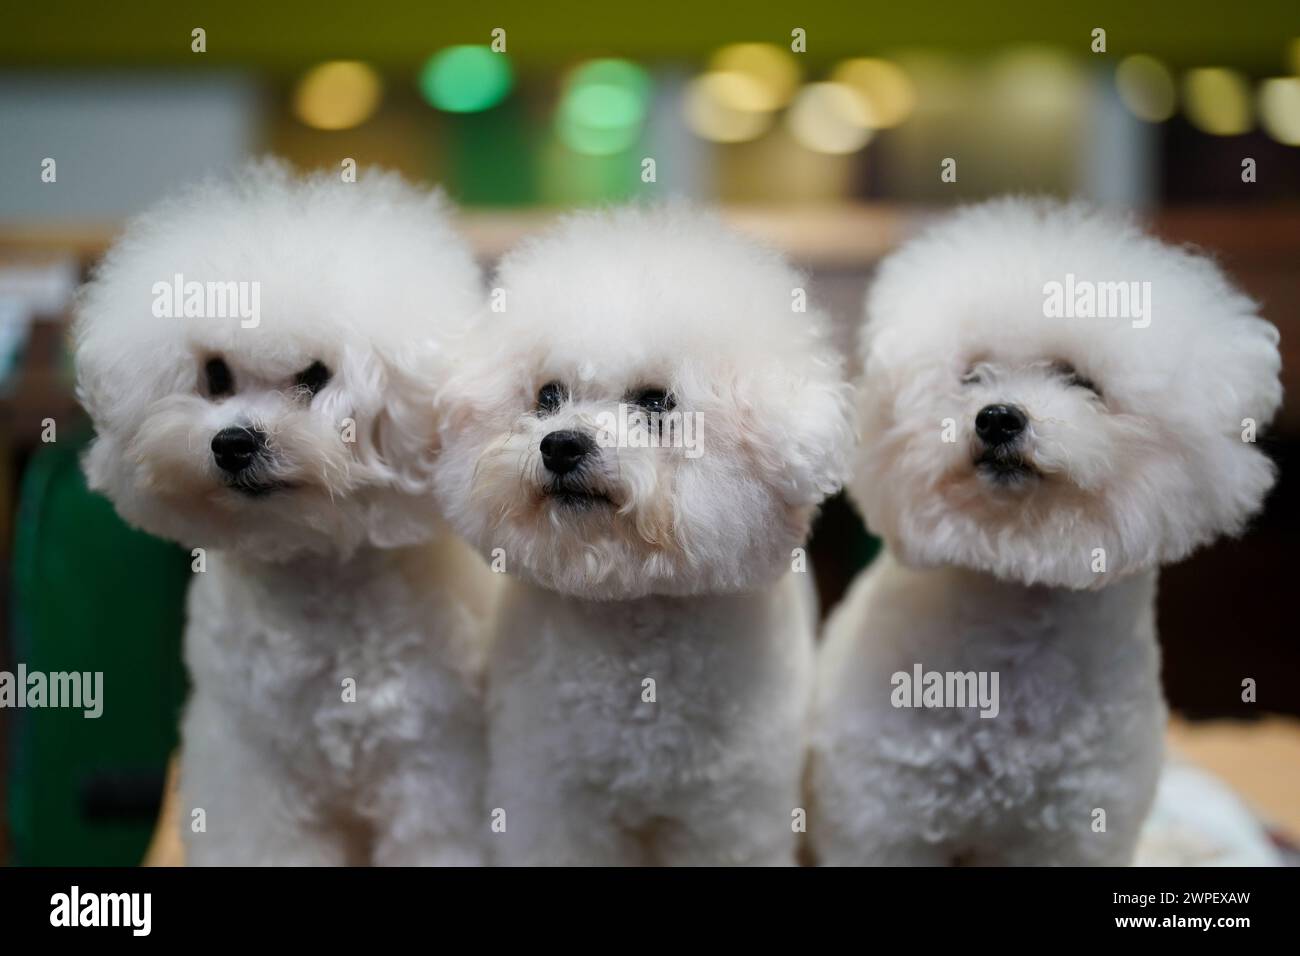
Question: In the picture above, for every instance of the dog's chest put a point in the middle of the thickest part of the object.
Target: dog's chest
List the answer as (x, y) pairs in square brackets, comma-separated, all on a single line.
[(642, 697), (996, 684), (997, 697), (648, 698), (331, 678)]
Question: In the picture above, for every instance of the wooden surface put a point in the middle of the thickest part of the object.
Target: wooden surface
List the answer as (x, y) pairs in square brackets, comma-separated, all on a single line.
[(165, 848), (1260, 760)]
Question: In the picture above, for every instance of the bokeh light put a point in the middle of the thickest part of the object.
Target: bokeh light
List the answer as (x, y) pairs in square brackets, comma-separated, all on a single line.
[(721, 107), (1279, 109), (603, 107), (942, 83), (336, 95), (772, 69), (466, 79), (1037, 82), (886, 92), (1146, 87), (829, 118), (1217, 101)]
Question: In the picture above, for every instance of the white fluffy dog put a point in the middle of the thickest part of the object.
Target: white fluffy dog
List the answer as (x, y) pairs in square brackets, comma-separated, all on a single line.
[(283, 423), (642, 446), (1032, 452)]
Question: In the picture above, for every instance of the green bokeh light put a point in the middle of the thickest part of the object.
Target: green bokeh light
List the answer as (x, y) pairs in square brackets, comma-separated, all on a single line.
[(466, 79), (603, 107)]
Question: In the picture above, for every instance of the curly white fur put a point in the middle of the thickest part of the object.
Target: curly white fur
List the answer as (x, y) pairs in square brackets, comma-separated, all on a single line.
[(1041, 553), (1151, 470), (325, 561), (647, 564)]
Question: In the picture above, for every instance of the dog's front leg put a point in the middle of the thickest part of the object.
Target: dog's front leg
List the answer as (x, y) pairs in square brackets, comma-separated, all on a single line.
[(738, 823), (431, 818), (240, 808)]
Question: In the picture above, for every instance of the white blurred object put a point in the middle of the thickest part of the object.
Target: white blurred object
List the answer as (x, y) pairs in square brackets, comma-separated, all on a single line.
[(31, 291), (120, 139), (43, 289), (1198, 821)]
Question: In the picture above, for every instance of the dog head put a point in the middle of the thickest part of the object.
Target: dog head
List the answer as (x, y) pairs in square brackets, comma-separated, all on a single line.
[(649, 413), (1053, 396), (259, 357)]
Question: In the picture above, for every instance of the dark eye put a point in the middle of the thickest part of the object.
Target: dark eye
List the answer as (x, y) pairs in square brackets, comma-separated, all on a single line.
[(217, 375), (1074, 379), (550, 397), (654, 399), (313, 378), (1082, 381)]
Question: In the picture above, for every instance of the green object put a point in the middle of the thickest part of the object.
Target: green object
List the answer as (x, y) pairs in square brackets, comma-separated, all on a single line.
[(491, 157), (466, 79), (91, 594), (604, 107)]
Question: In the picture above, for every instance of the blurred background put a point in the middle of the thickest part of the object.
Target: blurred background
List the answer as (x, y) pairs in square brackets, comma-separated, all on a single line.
[(826, 131)]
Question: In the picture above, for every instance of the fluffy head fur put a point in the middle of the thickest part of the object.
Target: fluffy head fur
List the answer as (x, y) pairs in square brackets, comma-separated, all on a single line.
[(667, 308), (366, 278), (1134, 436)]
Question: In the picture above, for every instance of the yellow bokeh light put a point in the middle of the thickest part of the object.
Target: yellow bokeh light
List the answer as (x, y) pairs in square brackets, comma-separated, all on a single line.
[(1279, 109), (941, 81), (337, 95), (1036, 82), (773, 69), (1217, 101), (1146, 87), (720, 107), (886, 92), (829, 118)]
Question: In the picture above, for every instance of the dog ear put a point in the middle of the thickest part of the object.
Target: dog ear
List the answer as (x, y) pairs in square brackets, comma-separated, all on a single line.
[(1238, 390), (102, 464), (1231, 484), (396, 442), (100, 394), (476, 385), (399, 443), (800, 431)]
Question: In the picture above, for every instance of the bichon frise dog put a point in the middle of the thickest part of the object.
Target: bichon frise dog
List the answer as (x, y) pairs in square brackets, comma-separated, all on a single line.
[(1053, 405), (259, 358), (642, 447)]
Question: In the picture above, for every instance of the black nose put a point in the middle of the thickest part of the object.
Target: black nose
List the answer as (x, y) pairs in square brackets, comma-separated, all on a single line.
[(999, 424), (563, 451), (235, 448)]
